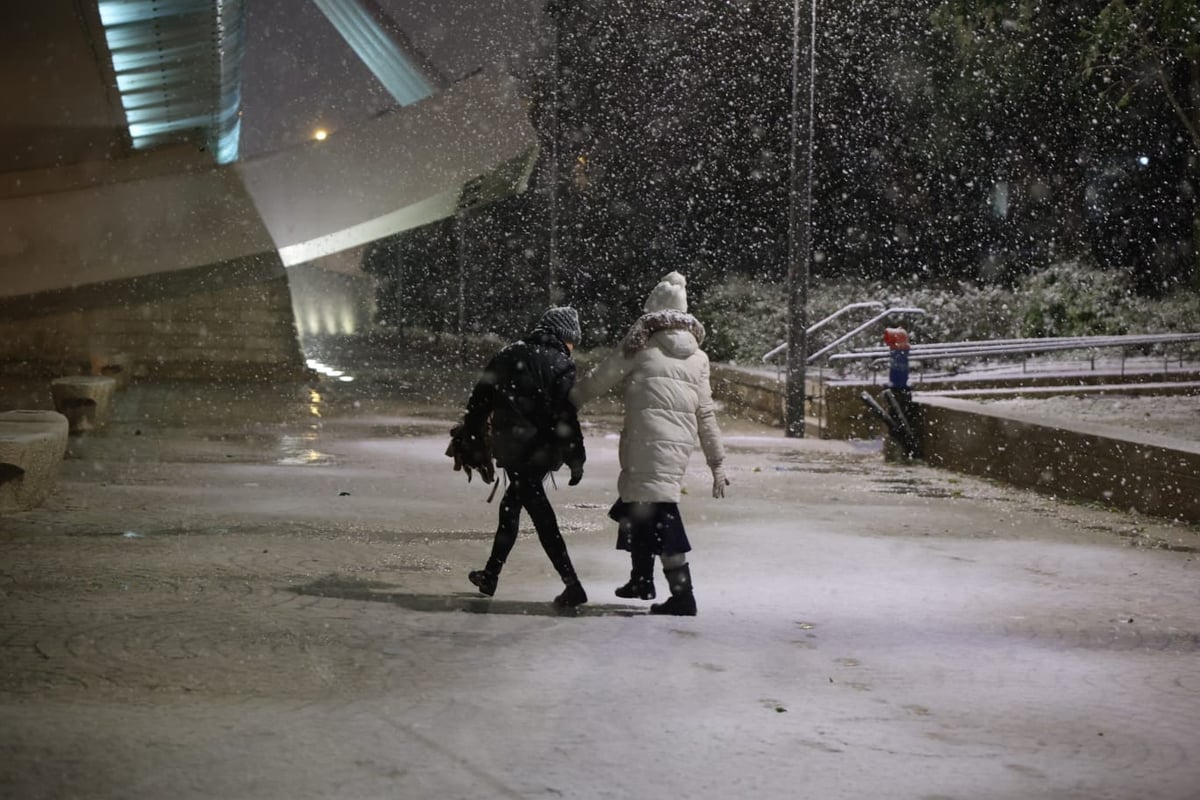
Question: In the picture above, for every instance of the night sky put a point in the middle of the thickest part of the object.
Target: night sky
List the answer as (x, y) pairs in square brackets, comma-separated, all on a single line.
[(300, 75)]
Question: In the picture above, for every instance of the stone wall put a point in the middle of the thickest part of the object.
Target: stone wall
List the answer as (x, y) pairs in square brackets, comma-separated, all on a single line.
[(160, 257), (753, 396), (99, 224), (1109, 465), (228, 320), (760, 396), (1113, 466), (845, 414)]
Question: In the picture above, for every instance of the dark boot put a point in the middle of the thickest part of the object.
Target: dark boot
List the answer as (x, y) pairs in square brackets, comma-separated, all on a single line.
[(681, 603), (639, 586), (571, 596), (485, 579), (641, 578)]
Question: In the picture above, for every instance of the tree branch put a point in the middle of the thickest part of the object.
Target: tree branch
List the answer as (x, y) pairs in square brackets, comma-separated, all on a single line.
[(1180, 111)]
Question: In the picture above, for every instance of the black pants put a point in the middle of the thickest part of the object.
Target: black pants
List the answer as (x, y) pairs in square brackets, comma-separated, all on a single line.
[(526, 490)]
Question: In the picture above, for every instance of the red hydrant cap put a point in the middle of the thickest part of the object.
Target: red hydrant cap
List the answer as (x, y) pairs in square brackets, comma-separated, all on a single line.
[(895, 338)]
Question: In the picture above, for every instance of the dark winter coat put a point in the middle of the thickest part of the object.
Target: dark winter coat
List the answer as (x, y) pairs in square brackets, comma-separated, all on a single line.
[(525, 391)]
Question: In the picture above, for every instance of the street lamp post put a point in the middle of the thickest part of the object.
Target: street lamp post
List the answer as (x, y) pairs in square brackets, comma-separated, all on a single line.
[(460, 235), (556, 12), (804, 50)]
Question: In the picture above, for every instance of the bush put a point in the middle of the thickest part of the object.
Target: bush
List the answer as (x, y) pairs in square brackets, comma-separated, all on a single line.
[(962, 313), (746, 319), (1175, 313), (743, 320), (1073, 300)]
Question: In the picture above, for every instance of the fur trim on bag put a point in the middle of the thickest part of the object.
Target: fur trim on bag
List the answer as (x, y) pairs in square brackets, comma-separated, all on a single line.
[(650, 324)]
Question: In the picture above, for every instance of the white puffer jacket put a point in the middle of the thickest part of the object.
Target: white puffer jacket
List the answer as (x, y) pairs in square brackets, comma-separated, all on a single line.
[(668, 404)]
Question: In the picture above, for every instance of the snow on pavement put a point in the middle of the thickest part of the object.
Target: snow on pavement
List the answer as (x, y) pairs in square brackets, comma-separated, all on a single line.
[(292, 619)]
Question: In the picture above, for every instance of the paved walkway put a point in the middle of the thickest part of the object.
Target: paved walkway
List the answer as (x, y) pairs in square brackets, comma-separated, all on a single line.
[(249, 596)]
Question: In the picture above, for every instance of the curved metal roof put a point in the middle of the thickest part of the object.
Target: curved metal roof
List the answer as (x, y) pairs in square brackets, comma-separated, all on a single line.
[(89, 80), (178, 66)]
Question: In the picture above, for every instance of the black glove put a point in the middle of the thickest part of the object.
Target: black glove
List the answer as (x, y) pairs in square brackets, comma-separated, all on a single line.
[(576, 474)]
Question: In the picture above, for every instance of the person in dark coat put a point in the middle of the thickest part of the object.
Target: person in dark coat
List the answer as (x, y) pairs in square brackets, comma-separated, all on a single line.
[(524, 394)]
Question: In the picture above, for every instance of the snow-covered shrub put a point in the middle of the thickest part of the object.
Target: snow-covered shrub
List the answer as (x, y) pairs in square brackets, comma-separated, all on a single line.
[(1175, 313), (746, 319), (961, 313), (1071, 299), (743, 319)]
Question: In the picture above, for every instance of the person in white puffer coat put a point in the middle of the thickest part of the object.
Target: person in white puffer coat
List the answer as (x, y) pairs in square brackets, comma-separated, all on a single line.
[(668, 407)]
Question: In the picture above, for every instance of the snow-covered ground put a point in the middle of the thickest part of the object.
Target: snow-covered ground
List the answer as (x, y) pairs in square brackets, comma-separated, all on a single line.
[(233, 595), (1175, 416)]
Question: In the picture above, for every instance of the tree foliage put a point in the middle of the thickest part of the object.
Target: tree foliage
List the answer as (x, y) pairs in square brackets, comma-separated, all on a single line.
[(1149, 45), (956, 142)]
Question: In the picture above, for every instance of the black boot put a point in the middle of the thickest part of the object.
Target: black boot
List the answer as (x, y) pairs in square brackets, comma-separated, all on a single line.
[(681, 603), (641, 578), (639, 586), (485, 579), (571, 596)]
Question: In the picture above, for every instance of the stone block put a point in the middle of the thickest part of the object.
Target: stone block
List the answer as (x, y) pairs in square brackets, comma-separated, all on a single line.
[(85, 400), (118, 366), (1119, 468), (845, 415), (32, 445)]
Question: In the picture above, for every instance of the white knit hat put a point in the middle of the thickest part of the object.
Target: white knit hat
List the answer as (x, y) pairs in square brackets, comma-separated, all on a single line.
[(668, 295)]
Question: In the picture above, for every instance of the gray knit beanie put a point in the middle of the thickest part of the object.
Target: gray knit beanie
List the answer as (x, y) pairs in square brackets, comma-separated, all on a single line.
[(563, 322)]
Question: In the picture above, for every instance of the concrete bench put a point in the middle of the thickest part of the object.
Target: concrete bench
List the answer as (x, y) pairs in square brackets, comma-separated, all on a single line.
[(118, 366), (85, 400), (32, 445)]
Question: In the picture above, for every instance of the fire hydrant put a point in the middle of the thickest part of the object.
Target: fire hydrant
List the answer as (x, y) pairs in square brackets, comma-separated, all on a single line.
[(902, 416), (897, 341)]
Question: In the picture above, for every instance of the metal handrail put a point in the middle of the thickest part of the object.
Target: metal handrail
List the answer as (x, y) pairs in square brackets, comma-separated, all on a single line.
[(818, 325), (881, 315), (929, 352)]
